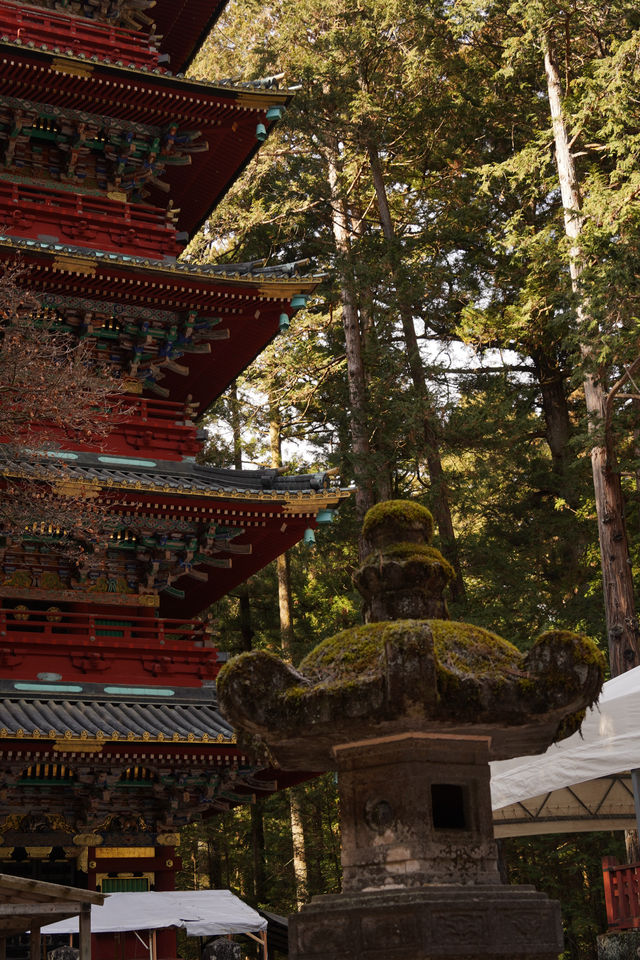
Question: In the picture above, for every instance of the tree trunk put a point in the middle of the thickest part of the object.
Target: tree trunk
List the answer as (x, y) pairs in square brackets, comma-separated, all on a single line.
[(636, 450), (247, 634), (555, 410), (622, 625), (257, 844), (299, 851), (246, 628), (236, 429), (431, 447), (214, 863), (286, 637), (632, 846), (381, 442), (282, 562), (353, 344), (242, 591)]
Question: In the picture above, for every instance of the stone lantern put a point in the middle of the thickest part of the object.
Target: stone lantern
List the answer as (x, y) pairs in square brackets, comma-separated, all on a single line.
[(409, 709)]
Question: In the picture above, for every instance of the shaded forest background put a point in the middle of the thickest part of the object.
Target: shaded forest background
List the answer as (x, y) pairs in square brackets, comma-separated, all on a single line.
[(463, 306)]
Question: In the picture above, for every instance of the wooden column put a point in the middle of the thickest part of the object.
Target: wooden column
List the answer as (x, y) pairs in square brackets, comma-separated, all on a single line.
[(34, 944), (85, 933)]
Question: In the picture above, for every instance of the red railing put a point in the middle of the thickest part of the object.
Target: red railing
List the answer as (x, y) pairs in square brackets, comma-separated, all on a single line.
[(61, 33), (152, 426), (621, 893), (157, 412), (136, 425), (57, 625), (86, 221)]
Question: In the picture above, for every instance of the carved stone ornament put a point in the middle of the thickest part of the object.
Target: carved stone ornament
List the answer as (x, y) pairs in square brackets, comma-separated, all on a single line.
[(409, 709)]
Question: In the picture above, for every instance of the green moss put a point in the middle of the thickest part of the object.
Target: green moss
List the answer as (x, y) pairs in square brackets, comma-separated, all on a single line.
[(418, 552), (350, 653), (462, 648), (586, 650), (296, 694), (400, 513), (569, 725), (477, 673), (240, 663)]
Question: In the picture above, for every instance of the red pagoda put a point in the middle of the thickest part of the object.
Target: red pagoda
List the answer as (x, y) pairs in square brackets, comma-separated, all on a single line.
[(110, 738)]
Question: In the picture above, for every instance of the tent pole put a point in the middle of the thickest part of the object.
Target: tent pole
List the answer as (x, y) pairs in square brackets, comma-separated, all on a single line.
[(260, 937), (84, 928), (35, 944), (635, 783)]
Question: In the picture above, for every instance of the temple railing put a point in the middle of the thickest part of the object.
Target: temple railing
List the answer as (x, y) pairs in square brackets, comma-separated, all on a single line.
[(621, 893), (159, 428), (155, 426), (57, 625), (165, 412), (81, 220), (61, 33)]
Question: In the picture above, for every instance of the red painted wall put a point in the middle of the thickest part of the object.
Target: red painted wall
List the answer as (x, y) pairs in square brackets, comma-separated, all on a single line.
[(126, 946)]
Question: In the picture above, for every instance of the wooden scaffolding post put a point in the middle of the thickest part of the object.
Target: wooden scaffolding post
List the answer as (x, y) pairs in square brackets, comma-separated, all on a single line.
[(85, 932), (34, 943)]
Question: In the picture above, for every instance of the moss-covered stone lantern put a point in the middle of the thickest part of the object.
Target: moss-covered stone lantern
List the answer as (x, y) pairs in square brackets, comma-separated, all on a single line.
[(409, 709)]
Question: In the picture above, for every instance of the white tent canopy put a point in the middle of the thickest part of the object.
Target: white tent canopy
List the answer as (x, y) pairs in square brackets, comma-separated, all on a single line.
[(581, 783), (202, 913)]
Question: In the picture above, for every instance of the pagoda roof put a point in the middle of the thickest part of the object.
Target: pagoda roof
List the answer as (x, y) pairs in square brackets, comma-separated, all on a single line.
[(97, 744), (251, 271), (112, 712), (174, 477), (269, 513), (247, 298), (226, 116)]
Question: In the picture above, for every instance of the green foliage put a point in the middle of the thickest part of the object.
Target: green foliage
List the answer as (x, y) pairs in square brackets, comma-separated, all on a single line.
[(568, 868), (324, 599), (220, 851), (452, 100)]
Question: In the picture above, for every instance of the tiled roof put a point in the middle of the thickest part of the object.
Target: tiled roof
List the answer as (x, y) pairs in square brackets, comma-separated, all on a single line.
[(262, 85), (183, 477), (254, 270), (98, 711), (257, 269)]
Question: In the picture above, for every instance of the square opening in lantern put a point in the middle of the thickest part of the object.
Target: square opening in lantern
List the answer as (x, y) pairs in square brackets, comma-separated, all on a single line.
[(448, 806)]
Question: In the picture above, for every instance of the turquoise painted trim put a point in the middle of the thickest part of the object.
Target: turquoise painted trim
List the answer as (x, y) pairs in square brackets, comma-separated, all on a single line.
[(129, 462), (141, 691), (48, 687), (55, 454)]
